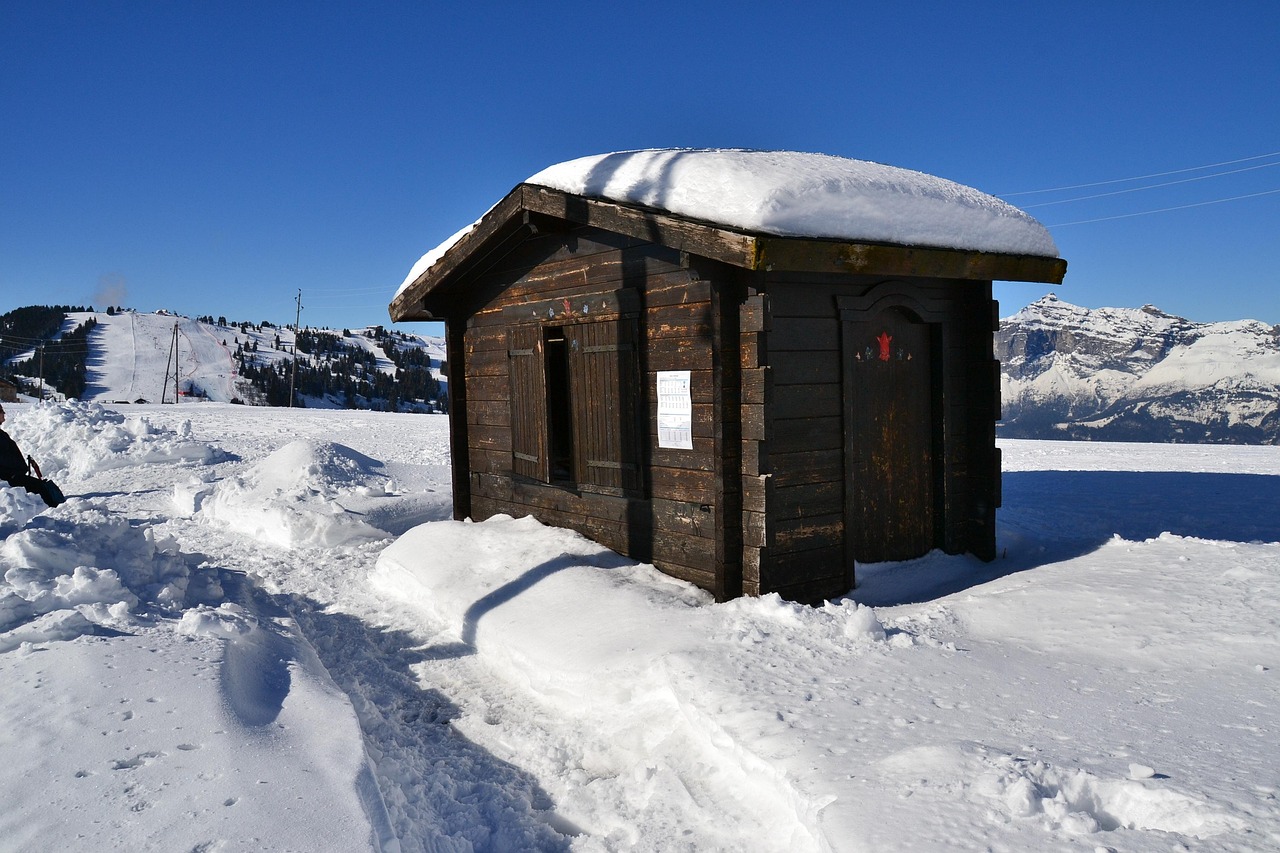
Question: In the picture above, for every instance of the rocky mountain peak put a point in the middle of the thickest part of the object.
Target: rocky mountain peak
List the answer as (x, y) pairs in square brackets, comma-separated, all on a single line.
[(1137, 374)]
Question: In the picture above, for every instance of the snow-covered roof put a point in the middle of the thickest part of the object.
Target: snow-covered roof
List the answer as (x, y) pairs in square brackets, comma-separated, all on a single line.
[(795, 194)]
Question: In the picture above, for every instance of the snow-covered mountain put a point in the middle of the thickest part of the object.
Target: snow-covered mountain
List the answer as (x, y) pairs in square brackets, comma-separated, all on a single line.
[(143, 357), (1137, 374)]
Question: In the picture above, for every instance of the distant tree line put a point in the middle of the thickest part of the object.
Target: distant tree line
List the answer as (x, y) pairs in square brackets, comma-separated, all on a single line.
[(329, 365), (35, 329)]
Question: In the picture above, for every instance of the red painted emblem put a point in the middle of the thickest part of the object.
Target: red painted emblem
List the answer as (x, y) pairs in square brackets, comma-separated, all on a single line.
[(884, 340)]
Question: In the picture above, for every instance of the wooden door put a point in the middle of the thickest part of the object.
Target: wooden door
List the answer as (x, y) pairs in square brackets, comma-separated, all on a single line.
[(890, 455)]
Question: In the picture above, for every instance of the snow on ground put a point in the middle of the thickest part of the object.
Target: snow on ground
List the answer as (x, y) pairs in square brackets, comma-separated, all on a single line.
[(257, 629)]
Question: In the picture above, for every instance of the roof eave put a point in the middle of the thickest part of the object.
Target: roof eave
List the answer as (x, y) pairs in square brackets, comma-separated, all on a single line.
[(510, 219)]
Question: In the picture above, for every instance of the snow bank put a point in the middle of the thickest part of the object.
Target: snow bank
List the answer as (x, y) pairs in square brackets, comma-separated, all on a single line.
[(81, 438), (512, 591), (214, 724), (292, 497), (795, 194), (82, 565), (737, 716)]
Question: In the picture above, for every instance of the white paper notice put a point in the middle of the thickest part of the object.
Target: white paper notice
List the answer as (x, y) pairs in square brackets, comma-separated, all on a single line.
[(675, 410)]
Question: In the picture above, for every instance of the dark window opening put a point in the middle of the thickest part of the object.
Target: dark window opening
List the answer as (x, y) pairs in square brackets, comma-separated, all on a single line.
[(559, 406)]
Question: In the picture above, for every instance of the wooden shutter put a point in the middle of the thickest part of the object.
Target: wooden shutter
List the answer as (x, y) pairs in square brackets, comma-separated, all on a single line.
[(528, 402), (605, 389)]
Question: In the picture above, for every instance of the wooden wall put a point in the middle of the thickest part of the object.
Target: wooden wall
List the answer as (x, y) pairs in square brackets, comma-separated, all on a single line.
[(793, 425), (670, 515)]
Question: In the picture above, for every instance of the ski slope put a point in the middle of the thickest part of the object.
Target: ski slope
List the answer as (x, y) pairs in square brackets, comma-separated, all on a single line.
[(136, 357)]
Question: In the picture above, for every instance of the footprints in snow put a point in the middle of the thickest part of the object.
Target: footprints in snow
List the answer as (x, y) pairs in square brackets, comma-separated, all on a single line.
[(140, 760)]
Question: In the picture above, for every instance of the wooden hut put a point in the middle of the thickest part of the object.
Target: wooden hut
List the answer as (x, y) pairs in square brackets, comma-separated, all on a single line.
[(754, 412)]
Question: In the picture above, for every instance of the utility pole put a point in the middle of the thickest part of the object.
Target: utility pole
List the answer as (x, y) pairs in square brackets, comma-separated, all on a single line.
[(40, 349), (297, 318), (173, 360)]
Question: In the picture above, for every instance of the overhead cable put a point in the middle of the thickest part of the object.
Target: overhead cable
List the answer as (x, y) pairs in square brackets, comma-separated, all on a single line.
[(1141, 177), (1163, 209), (1150, 186)]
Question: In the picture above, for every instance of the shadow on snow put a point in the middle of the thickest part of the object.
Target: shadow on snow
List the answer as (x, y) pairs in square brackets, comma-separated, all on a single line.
[(440, 788), (1053, 516)]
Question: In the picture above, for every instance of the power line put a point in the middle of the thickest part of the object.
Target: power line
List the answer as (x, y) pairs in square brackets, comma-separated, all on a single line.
[(1150, 186), (1163, 209), (1141, 177), (369, 289)]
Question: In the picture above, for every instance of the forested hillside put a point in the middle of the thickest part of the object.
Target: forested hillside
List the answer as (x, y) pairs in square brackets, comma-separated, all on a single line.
[(123, 356)]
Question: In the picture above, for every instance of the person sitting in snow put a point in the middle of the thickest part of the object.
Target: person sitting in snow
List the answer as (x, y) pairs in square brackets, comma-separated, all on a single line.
[(14, 468)]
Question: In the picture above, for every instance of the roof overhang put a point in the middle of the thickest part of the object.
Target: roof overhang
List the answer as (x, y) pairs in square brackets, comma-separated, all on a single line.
[(517, 216)]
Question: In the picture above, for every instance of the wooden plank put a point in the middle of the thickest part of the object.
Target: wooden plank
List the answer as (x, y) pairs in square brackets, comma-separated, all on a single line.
[(806, 401), (700, 458), (581, 307), (794, 535), (793, 295), (683, 484), (676, 289), (488, 462), (679, 354), (781, 571), (726, 296), (527, 437), (830, 256), (696, 576), (806, 466), (481, 339), (488, 363), (804, 334), (494, 388), (679, 549), (754, 462), (806, 368), (689, 519), (755, 529), (492, 437), (756, 385), (753, 315), (751, 351), (751, 558), (806, 434), (755, 492), (687, 320), (693, 237), (809, 500), (753, 422)]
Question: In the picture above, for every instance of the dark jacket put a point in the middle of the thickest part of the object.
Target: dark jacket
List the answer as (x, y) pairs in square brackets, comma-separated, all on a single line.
[(12, 462)]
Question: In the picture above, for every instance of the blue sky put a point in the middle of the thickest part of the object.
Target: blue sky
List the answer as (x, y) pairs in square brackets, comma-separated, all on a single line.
[(215, 158)]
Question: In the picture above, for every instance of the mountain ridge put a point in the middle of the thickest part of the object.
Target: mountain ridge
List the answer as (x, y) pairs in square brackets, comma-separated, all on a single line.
[(1137, 374), (129, 356)]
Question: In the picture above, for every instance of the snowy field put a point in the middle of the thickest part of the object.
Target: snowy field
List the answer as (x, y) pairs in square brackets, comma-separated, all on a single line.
[(256, 629)]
